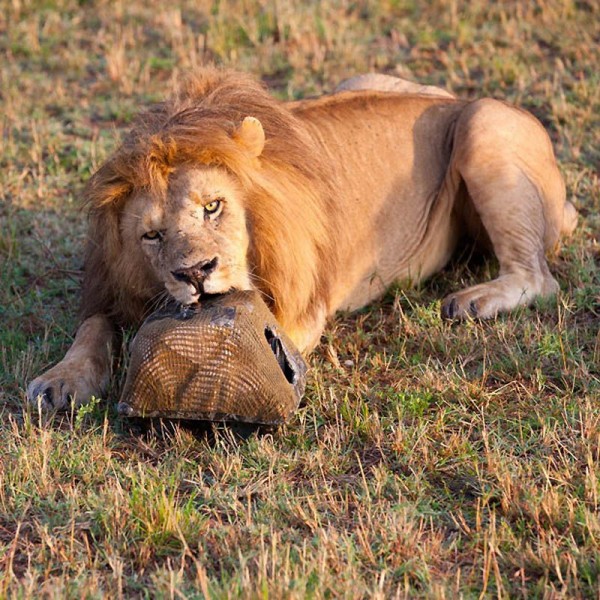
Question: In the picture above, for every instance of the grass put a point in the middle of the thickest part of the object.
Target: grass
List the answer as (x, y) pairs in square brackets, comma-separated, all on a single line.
[(429, 460)]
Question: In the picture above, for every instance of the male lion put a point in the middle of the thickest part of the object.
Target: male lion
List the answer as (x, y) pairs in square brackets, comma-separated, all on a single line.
[(319, 204)]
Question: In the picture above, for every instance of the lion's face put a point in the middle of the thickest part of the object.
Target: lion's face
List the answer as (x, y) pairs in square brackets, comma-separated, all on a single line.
[(196, 240)]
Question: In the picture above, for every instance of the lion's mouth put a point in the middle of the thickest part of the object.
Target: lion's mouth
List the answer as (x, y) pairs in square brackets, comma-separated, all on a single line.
[(196, 294), (184, 294)]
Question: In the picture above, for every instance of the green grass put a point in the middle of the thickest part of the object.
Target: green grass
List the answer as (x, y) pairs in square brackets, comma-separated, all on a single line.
[(429, 460)]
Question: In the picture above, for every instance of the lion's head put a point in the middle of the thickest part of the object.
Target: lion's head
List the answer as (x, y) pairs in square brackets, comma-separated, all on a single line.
[(218, 188), (195, 240)]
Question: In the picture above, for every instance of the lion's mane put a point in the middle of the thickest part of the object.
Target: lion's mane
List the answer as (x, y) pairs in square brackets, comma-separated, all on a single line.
[(288, 192)]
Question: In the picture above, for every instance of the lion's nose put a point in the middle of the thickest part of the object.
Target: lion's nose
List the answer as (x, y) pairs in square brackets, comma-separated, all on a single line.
[(197, 273)]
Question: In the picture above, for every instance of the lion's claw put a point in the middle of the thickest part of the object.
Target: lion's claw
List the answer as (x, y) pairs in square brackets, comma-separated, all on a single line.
[(453, 309), (449, 309), (473, 308)]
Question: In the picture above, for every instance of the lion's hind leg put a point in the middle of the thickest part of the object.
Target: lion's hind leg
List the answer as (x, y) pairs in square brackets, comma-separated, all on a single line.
[(506, 160)]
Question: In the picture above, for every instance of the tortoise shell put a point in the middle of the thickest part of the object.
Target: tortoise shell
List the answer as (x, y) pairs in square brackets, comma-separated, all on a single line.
[(225, 360)]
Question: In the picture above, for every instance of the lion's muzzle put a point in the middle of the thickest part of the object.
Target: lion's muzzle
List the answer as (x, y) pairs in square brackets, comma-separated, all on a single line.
[(196, 274)]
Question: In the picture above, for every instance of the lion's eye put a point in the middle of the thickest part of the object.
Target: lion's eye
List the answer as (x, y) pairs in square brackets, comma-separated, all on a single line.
[(212, 207), (152, 235)]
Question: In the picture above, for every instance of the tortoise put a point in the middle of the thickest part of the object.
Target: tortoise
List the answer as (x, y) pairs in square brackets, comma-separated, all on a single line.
[(226, 359)]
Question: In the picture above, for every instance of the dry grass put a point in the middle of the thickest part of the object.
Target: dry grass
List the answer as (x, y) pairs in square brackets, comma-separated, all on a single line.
[(429, 460)]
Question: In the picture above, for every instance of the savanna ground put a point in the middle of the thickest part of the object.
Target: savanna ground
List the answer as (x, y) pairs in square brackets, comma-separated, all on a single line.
[(429, 460)]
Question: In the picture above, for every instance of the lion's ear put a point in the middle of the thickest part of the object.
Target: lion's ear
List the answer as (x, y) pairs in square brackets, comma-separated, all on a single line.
[(251, 135)]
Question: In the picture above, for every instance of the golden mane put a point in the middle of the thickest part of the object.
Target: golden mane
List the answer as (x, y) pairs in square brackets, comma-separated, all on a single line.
[(288, 192)]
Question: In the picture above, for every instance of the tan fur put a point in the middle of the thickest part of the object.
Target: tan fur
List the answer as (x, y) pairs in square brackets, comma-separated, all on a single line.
[(387, 83), (322, 204)]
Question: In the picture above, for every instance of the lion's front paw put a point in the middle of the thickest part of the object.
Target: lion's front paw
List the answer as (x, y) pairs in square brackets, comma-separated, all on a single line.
[(60, 387)]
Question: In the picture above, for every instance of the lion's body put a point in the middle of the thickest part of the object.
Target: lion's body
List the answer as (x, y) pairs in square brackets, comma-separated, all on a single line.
[(400, 163), (389, 207), (348, 194)]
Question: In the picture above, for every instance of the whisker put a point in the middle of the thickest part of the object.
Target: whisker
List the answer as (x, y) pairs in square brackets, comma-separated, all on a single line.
[(159, 300), (162, 298), (256, 278)]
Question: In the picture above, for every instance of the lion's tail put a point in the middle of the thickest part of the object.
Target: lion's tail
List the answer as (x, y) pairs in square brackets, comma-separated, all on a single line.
[(570, 216)]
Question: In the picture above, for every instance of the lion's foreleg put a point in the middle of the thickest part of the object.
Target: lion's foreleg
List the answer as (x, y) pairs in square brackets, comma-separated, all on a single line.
[(83, 372), (305, 332)]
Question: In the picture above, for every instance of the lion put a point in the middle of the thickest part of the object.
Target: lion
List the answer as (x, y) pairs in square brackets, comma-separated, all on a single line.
[(319, 204)]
